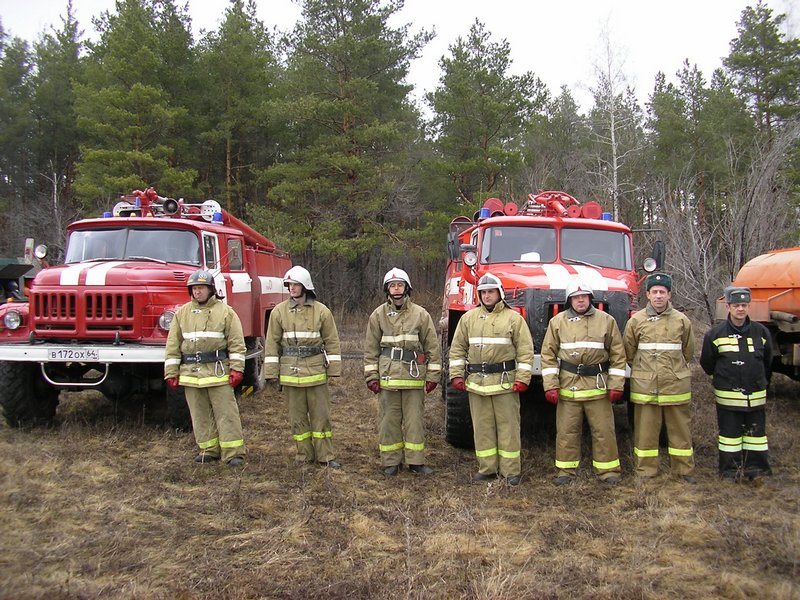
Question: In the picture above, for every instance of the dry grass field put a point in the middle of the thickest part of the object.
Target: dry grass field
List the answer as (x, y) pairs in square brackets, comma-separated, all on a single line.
[(106, 505)]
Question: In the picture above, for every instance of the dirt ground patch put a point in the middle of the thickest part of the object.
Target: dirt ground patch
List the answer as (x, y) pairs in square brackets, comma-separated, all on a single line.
[(105, 506)]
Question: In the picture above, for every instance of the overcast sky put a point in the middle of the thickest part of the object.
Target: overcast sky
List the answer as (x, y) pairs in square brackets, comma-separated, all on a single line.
[(558, 40)]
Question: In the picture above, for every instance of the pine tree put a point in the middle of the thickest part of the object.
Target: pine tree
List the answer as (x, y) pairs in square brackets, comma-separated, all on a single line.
[(480, 114), (126, 109)]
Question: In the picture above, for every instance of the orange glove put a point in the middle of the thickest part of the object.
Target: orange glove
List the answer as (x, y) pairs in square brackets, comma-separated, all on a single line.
[(235, 378), (172, 383), (519, 387), (374, 386), (551, 396), (615, 395), (430, 386), (458, 384)]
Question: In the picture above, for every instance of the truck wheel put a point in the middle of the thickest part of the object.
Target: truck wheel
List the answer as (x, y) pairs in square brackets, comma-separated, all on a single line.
[(254, 367), (25, 397), (457, 418), (177, 409)]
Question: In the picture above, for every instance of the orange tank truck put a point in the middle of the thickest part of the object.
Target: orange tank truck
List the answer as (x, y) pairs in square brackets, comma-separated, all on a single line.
[(774, 281)]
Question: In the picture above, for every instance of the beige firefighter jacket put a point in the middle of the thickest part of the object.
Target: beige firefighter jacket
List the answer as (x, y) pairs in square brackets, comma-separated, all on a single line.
[(310, 325), (408, 328), (589, 339), (200, 329), (491, 337), (659, 348)]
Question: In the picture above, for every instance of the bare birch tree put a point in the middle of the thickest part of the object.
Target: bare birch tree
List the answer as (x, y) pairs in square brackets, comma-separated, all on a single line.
[(614, 123)]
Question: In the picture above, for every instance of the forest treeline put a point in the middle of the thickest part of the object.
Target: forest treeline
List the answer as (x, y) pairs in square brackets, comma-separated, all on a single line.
[(313, 137)]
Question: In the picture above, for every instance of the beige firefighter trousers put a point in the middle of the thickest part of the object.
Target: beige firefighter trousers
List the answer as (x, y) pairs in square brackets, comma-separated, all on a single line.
[(569, 432), (310, 420), (646, 431), (495, 426), (401, 427), (215, 421)]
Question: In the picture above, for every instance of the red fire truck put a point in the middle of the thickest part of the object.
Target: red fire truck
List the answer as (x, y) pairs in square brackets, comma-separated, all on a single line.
[(534, 250), (100, 320)]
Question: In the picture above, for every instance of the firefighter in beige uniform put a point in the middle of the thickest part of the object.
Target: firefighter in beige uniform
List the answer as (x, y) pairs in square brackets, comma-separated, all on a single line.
[(583, 372), (302, 351), (402, 362), (659, 343), (492, 349), (205, 353)]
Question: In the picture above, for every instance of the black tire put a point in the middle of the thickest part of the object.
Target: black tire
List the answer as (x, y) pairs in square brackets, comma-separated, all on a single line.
[(26, 398), (457, 418), (177, 410), (254, 367)]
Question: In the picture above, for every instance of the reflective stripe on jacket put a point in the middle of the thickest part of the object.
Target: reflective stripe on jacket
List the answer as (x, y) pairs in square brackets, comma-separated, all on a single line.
[(213, 326), (307, 324), (409, 327), (659, 348), (491, 337), (589, 339), (740, 360)]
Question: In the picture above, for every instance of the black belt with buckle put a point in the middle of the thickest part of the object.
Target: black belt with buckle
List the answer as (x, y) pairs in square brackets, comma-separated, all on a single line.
[(203, 357), (585, 370), (508, 365), (301, 351), (396, 353)]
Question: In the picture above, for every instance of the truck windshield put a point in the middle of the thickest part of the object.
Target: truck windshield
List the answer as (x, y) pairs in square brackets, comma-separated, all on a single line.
[(168, 245), (596, 247), (518, 244)]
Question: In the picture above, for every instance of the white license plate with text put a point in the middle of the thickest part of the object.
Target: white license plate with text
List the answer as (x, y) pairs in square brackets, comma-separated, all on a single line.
[(73, 354)]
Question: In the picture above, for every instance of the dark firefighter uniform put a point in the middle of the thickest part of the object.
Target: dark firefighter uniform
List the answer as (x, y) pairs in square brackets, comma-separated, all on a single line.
[(401, 351), (659, 347), (583, 356), (740, 359), (204, 344), (302, 351), (492, 351)]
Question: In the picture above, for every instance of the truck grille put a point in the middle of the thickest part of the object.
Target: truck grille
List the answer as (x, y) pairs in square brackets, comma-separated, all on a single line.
[(95, 313)]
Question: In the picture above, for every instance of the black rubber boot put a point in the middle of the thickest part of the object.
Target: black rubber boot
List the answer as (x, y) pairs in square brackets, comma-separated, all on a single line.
[(420, 469)]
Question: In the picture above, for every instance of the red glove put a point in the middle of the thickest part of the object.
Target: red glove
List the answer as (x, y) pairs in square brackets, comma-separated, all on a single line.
[(458, 384), (551, 396), (430, 386), (615, 395), (519, 387), (235, 378), (374, 386), (172, 383)]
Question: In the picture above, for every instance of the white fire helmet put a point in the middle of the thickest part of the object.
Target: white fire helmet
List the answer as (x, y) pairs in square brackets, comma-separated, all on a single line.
[(396, 274), (576, 287), (299, 275), (490, 282)]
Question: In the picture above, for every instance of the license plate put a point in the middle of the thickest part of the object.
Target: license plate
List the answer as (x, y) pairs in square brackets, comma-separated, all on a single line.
[(73, 354)]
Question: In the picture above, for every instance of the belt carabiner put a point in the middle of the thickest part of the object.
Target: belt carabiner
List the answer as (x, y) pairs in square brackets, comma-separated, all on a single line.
[(413, 369), (504, 381)]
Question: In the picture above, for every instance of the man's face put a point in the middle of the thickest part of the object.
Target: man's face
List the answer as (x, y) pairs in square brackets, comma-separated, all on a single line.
[(296, 290), (738, 312), (201, 293), (659, 296), (397, 290), (490, 297), (580, 303)]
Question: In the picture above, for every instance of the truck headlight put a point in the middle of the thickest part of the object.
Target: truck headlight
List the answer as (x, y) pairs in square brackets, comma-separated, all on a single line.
[(165, 320), (470, 258), (12, 320)]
